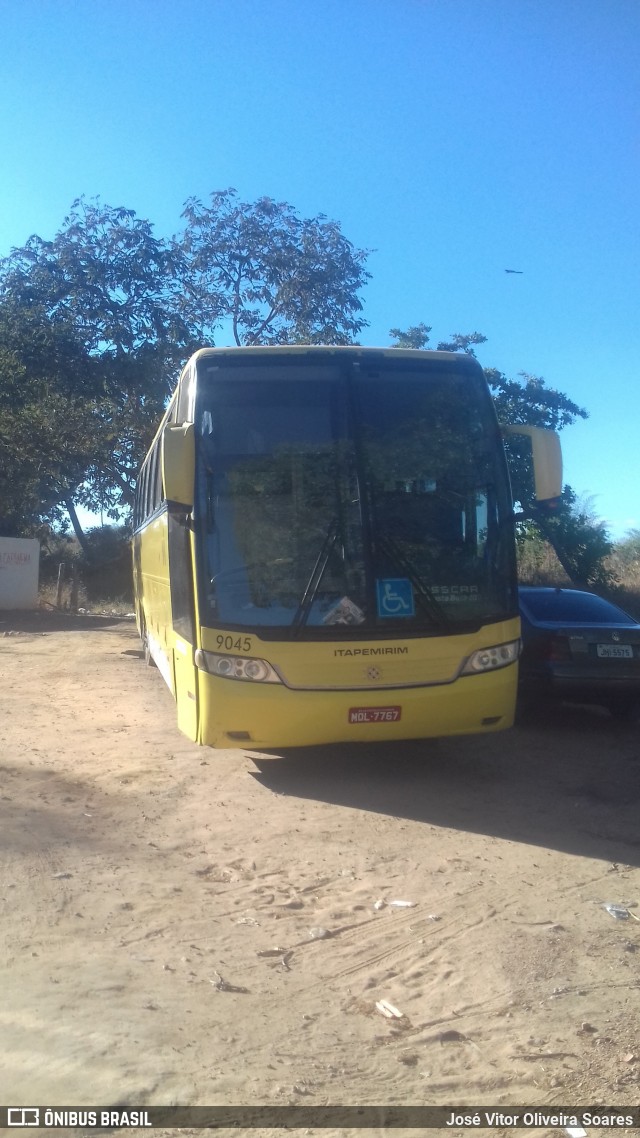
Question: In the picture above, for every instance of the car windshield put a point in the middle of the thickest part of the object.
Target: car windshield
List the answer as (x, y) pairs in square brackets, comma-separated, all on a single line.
[(566, 607), (335, 498)]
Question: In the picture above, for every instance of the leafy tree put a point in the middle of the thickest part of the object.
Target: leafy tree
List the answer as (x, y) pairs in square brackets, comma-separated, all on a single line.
[(65, 437), (416, 337), (460, 342), (49, 433), (529, 401), (109, 277), (580, 541), (134, 307), (115, 291), (273, 277), (101, 568)]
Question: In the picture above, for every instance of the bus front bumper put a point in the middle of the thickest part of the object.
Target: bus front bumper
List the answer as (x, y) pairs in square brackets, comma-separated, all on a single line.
[(256, 716)]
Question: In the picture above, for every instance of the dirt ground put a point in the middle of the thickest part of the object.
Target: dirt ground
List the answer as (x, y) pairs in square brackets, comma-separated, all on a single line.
[(161, 903)]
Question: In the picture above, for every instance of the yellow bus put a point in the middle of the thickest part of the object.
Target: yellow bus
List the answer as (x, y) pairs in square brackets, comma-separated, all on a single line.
[(324, 547)]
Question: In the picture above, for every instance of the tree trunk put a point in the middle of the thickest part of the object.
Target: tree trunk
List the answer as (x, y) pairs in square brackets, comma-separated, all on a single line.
[(61, 569), (79, 532)]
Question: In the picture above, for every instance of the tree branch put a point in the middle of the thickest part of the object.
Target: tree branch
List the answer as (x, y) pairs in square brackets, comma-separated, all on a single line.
[(253, 338)]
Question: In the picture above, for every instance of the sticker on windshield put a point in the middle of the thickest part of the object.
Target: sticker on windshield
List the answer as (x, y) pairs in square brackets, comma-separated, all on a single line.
[(454, 594), (345, 612), (395, 596)]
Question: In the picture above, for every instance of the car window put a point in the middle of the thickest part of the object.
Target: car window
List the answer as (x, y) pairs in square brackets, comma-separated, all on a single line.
[(573, 608)]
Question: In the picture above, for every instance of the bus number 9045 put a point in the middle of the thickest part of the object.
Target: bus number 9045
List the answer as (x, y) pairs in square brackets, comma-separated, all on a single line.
[(234, 643)]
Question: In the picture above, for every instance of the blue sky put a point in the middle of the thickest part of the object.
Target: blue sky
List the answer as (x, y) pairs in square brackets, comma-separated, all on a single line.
[(455, 138)]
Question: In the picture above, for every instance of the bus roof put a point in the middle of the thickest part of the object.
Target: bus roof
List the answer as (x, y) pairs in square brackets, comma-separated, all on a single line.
[(336, 350)]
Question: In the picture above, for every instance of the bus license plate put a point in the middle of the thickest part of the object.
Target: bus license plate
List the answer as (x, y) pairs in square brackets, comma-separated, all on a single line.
[(615, 651), (374, 714)]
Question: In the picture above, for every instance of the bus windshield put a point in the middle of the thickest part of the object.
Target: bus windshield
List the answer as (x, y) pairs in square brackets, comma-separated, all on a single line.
[(341, 499)]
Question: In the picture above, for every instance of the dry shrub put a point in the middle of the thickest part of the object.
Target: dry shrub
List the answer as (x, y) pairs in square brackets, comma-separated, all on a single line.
[(538, 565)]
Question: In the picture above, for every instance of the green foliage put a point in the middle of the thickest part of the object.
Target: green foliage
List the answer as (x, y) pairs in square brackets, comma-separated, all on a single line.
[(580, 540), (462, 343), (102, 569), (274, 277), (537, 562), (627, 550), (96, 323), (106, 275), (106, 568), (625, 564), (530, 401), (92, 338), (49, 432), (417, 336)]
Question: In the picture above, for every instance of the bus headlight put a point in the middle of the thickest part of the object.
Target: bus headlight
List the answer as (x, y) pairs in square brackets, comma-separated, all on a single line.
[(488, 659), (236, 667)]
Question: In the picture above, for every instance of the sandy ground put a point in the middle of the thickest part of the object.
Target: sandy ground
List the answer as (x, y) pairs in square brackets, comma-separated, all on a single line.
[(161, 903)]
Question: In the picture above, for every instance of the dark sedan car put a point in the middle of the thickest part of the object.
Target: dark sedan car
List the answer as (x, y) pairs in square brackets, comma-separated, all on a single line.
[(579, 647)]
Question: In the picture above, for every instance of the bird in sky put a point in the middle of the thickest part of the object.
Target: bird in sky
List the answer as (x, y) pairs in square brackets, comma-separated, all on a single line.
[(518, 271)]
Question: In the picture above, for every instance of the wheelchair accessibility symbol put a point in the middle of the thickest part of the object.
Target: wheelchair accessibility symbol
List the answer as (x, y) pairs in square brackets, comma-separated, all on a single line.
[(395, 597)]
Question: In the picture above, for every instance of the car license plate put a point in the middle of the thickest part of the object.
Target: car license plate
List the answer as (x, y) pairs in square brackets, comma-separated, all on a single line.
[(615, 651), (374, 714)]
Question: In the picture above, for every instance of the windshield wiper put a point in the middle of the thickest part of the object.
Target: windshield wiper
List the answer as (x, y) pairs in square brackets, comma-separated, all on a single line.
[(317, 573)]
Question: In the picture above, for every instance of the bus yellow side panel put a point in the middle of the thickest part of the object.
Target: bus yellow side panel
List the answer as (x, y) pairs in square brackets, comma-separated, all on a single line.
[(186, 688), (154, 593)]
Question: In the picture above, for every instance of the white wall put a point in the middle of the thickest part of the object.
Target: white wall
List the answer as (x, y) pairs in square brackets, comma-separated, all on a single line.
[(19, 566)]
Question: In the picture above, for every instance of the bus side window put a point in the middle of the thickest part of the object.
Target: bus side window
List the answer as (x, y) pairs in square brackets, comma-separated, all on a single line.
[(157, 486), (143, 494), (153, 466), (153, 463), (156, 478)]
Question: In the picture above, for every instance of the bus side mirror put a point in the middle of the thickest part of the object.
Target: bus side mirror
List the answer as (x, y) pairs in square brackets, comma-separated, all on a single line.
[(178, 464), (547, 460)]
